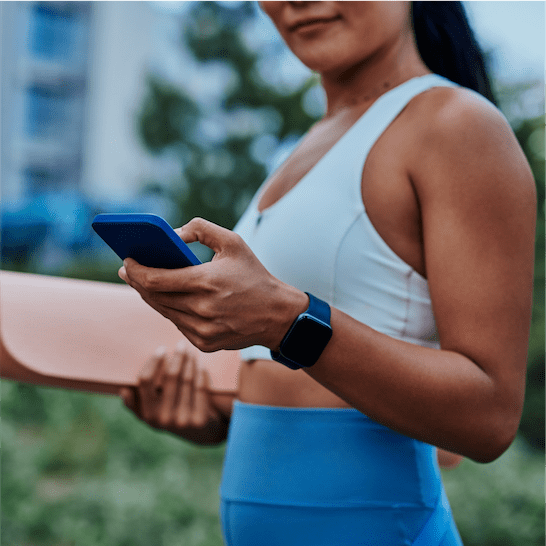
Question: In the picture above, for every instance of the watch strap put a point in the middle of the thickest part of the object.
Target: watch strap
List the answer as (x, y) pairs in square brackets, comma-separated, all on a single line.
[(319, 309)]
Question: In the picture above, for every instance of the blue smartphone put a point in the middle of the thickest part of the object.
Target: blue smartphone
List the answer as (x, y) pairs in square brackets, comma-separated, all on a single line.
[(146, 238)]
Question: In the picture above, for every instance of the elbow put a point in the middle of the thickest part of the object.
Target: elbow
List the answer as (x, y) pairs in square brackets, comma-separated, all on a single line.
[(497, 439), (492, 451)]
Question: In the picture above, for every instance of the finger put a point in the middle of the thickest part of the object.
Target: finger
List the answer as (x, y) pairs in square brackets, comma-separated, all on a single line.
[(171, 375), (184, 408), (159, 380), (201, 405), (153, 279), (171, 313), (190, 324), (198, 330), (189, 304), (184, 346), (153, 365), (146, 384), (212, 235), (148, 278), (122, 274)]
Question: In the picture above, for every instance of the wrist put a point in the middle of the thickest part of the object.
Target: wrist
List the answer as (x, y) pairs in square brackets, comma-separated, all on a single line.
[(289, 306)]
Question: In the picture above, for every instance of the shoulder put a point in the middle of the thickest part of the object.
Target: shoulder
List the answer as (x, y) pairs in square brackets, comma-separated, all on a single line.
[(448, 119), (461, 137)]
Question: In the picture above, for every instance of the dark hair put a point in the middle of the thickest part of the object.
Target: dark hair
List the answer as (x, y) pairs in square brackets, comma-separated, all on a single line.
[(448, 47)]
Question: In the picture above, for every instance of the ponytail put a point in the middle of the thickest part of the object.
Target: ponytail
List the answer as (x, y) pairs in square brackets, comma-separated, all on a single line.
[(447, 45)]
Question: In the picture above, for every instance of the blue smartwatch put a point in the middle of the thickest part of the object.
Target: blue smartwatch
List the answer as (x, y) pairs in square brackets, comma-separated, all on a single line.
[(307, 338)]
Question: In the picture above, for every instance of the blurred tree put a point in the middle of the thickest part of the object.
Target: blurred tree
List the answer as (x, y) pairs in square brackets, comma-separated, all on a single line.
[(220, 173), (530, 134)]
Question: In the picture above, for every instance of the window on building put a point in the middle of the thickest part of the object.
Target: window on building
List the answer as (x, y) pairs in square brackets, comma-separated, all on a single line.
[(56, 176), (46, 111), (58, 31), (54, 110)]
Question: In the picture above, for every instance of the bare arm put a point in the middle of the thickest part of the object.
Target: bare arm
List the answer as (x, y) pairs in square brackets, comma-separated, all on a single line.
[(477, 201)]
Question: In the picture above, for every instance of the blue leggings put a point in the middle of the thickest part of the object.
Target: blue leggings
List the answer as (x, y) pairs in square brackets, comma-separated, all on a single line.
[(327, 477)]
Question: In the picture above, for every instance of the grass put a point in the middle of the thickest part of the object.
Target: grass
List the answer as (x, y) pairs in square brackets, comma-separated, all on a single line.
[(79, 469)]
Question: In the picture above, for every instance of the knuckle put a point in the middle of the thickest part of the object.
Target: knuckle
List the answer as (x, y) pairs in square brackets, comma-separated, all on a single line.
[(207, 281), (182, 421), (234, 240), (201, 344), (198, 341), (198, 420), (234, 237), (163, 421), (205, 309), (199, 222), (150, 281), (206, 330)]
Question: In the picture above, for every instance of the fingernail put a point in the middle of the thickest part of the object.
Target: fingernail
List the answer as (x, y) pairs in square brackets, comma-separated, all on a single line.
[(200, 380), (160, 351)]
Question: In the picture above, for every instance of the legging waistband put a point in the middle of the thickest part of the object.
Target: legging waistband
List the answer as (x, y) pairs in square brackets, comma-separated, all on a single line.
[(325, 457)]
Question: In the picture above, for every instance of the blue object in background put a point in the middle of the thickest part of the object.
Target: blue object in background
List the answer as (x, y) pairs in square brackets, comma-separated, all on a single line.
[(25, 226), (59, 222)]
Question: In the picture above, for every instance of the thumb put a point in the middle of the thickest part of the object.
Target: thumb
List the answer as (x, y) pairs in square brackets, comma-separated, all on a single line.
[(212, 235)]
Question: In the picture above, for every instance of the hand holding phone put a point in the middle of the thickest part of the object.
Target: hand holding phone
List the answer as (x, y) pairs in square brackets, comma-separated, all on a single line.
[(146, 238), (225, 303)]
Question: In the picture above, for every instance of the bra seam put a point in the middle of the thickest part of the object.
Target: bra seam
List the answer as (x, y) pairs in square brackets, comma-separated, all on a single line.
[(338, 252), (404, 331)]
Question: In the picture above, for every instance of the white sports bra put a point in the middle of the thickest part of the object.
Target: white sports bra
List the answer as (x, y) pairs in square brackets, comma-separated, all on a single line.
[(318, 237)]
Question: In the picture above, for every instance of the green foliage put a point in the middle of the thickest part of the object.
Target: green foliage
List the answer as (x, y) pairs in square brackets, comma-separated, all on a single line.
[(89, 474), (220, 175), (531, 137), (501, 503), (167, 115)]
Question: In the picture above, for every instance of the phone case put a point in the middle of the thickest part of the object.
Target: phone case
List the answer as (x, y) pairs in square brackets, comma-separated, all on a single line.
[(146, 238)]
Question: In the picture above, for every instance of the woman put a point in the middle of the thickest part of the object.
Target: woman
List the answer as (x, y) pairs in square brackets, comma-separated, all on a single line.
[(388, 264)]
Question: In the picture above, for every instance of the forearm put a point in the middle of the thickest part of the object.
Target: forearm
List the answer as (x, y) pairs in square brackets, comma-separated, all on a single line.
[(437, 396)]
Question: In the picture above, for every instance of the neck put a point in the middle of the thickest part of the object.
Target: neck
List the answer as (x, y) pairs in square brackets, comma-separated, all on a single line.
[(362, 84)]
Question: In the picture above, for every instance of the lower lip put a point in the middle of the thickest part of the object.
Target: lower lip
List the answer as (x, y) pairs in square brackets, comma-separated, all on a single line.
[(317, 25)]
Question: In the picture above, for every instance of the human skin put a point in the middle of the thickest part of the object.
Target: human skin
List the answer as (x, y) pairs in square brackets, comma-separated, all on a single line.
[(448, 189)]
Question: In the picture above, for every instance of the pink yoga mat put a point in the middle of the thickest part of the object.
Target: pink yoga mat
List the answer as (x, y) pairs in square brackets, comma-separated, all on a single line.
[(87, 335)]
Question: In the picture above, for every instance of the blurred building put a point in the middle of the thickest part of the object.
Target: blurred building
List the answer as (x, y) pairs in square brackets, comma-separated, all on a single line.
[(73, 76), (45, 62)]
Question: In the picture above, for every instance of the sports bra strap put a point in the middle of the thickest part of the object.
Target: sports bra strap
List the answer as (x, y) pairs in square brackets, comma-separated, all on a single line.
[(367, 130)]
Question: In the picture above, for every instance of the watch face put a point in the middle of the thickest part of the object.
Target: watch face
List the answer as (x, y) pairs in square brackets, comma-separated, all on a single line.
[(306, 340)]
